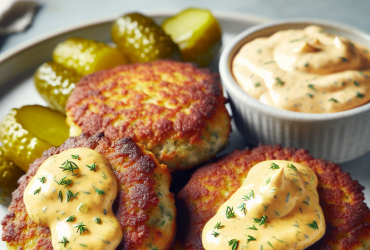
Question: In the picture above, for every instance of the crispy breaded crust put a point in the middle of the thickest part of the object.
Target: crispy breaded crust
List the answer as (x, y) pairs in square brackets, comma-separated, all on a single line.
[(170, 107), (346, 215), (137, 173)]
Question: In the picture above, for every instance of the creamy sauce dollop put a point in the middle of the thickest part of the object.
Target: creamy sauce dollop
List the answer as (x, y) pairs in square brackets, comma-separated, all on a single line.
[(305, 71), (75, 203), (277, 207)]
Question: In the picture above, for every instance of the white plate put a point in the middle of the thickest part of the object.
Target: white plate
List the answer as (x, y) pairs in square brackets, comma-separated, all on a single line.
[(17, 66)]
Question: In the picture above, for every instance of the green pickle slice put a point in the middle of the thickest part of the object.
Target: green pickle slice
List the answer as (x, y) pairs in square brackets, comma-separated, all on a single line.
[(198, 34), (27, 132), (87, 56), (140, 39), (55, 84), (9, 175)]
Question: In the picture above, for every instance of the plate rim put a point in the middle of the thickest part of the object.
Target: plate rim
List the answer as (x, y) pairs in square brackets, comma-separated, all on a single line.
[(231, 15)]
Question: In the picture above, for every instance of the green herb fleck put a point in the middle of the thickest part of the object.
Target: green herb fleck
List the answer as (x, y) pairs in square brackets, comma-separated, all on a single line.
[(344, 59), (252, 228), (356, 83), (249, 195), (37, 191), (274, 166), (333, 100), (70, 195), (306, 64), (105, 212), (305, 202), (233, 243), (99, 191), (75, 156), (229, 212), (83, 245), (91, 167), (291, 166), (268, 180), (70, 218), (276, 213), (104, 176), (260, 221), (352, 45), (215, 234), (269, 62), (311, 86), (359, 95), (81, 228), (242, 208), (287, 198), (64, 182), (259, 51), (268, 242), (97, 220), (296, 224), (257, 84), (60, 195), (69, 166), (310, 95), (218, 225), (313, 225), (279, 82), (64, 241), (42, 179), (250, 238)]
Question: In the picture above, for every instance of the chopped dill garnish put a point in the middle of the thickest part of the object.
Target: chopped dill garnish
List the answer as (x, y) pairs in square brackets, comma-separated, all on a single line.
[(70, 195), (344, 59), (64, 241), (313, 225), (311, 86), (64, 181), (249, 195), (75, 156), (81, 228), (69, 166), (36, 191), (268, 180), (333, 100), (60, 195), (261, 221), (233, 243), (99, 191), (291, 166), (268, 242), (356, 83), (274, 166), (252, 228), (42, 179), (97, 220), (257, 84), (70, 218), (229, 212), (91, 167), (279, 82), (250, 238), (218, 225), (242, 208), (359, 95), (215, 234), (310, 95)]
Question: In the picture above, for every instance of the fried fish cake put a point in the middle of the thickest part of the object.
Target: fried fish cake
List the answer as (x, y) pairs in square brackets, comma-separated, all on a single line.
[(342, 200), (174, 109), (144, 206)]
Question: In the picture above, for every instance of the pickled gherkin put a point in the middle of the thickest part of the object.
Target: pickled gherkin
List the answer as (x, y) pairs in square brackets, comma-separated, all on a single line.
[(198, 34), (9, 175), (86, 56), (27, 132), (55, 83), (140, 39)]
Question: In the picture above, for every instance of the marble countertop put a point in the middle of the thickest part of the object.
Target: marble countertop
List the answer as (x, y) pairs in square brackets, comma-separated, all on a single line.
[(55, 14)]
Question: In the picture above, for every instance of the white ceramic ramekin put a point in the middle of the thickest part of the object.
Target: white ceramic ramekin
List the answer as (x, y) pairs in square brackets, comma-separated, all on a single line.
[(337, 137)]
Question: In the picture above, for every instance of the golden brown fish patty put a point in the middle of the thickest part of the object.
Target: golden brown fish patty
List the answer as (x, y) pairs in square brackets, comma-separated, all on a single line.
[(144, 206), (342, 200), (176, 110)]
